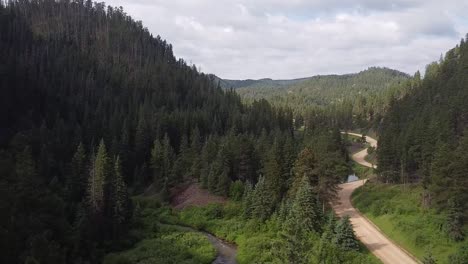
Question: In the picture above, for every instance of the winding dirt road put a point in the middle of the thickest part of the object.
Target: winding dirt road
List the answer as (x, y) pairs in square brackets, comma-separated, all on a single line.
[(382, 247), (359, 156)]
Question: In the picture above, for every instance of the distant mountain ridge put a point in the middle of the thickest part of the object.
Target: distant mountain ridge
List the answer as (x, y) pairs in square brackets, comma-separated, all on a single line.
[(284, 83)]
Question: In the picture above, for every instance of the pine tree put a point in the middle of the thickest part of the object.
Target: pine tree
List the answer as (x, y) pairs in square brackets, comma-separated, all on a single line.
[(329, 231), (195, 154), (157, 164), (454, 222), (77, 179), (272, 174), (247, 201), (209, 153), (182, 164), (429, 258), (345, 238), (120, 198), (168, 161), (25, 167), (262, 204), (99, 171), (305, 166), (223, 184), (305, 210)]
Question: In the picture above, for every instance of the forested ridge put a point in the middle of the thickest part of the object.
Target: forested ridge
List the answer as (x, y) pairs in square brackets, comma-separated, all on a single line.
[(350, 100), (94, 110), (423, 138)]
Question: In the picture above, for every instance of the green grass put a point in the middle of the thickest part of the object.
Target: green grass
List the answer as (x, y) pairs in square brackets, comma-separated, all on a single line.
[(162, 243), (255, 240), (396, 210), (362, 172)]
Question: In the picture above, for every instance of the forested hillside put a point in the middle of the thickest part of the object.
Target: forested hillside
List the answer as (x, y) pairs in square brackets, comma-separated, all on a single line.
[(95, 110), (86, 93), (424, 138), (353, 100)]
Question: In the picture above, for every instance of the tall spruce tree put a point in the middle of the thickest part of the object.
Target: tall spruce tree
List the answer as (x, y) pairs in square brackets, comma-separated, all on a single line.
[(77, 179), (305, 210), (344, 235), (99, 172), (157, 164), (120, 199)]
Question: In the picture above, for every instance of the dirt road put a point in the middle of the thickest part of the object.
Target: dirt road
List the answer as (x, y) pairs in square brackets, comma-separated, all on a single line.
[(382, 247), (360, 155)]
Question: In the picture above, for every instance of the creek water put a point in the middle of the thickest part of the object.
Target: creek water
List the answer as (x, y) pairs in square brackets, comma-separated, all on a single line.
[(352, 178), (225, 252)]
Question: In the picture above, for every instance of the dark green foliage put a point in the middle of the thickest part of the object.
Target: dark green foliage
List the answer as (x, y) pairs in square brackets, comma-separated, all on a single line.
[(351, 100), (454, 224), (236, 191), (275, 241), (344, 235), (461, 257), (305, 211), (429, 259), (99, 173), (78, 175), (83, 84), (424, 137), (262, 202)]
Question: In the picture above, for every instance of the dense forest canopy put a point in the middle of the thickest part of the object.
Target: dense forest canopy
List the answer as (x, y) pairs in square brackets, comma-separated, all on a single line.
[(94, 109), (86, 90), (424, 137), (352, 100)]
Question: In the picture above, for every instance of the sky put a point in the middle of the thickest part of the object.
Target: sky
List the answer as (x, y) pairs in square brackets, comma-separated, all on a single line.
[(285, 39)]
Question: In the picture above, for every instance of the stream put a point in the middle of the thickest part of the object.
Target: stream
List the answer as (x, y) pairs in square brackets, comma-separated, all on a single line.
[(225, 252)]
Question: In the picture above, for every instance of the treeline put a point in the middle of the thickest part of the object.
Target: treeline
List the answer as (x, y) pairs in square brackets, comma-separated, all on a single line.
[(424, 138), (282, 211), (351, 100), (94, 109)]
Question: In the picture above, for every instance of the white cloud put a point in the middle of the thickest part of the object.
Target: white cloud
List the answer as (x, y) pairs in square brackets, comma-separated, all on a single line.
[(296, 38)]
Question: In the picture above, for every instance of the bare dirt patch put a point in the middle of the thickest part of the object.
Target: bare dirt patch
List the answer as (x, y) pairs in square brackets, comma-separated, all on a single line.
[(192, 194)]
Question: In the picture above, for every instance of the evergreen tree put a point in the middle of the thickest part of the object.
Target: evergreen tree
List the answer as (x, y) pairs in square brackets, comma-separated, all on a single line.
[(345, 237), (195, 154), (305, 211), (157, 164), (272, 173), (120, 197), (99, 171), (454, 222), (168, 161), (305, 167), (77, 180), (262, 204), (247, 200), (429, 259)]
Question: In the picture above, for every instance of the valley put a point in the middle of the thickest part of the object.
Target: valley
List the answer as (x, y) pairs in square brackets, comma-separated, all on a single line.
[(114, 149)]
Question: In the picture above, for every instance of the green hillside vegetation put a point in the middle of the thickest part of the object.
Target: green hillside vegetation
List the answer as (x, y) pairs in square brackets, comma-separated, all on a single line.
[(155, 241), (424, 139), (397, 211), (96, 110), (277, 240), (352, 100)]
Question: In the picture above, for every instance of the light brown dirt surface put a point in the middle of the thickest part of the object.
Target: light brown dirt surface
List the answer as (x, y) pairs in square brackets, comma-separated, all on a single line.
[(193, 195), (382, 247), (360, 155)]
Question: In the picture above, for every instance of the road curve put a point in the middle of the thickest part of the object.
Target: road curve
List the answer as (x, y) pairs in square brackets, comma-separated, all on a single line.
[(382, 247), (359, 156)]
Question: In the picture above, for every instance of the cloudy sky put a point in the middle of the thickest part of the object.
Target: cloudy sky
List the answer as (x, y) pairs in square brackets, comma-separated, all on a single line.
[(280, 39)]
